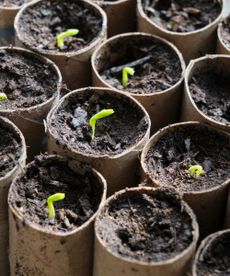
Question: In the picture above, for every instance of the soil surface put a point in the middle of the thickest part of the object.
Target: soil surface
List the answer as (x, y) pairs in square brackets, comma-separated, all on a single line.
[(145, 227), (225, 32), (114, 134), (170, 158), (182, 15), (216, 259), (27, 81), (29, 195), (157, 67), (10, 3), (42, 22), (210, 92), (10, 150)]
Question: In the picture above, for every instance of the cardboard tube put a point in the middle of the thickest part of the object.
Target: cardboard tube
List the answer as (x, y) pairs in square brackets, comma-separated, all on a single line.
[(38, 251), (204, 246), (74, 66), (190, 111), (191, 44), (227, 215), (221, 48), (119, 170), (205, 202), (121, 15), (5, 182), (30, 120), (108, 263), (155, 103)]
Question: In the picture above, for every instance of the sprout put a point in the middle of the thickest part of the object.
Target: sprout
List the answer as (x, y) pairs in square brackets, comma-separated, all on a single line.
[(196, 170), (100, 115), (51, 199), (60, 37), (3, 96), (125, 72)]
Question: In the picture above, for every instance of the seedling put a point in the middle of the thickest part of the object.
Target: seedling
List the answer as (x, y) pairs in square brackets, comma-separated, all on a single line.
[(100, 115), (51, 199), (62, 36), (196, 170), (3, 96), (125, 75)]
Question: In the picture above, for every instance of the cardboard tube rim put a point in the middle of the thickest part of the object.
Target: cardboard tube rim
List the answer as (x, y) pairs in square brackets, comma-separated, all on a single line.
[(54, 53), (204, 246), (43, 59), (109, 3), (219, 37), (142, 34), (18, 214), (111, 92), (190, 212), (187, 90), (161, 132), (177, 34), (12, 126)]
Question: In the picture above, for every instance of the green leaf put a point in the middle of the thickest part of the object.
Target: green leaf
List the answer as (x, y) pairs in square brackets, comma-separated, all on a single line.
[(196, 170)]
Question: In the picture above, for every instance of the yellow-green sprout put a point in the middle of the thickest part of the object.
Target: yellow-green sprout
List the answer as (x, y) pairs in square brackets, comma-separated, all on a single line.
[(62, 36), (51, 199), (100, 115), (196, 170), (125, 75), (3, 96)]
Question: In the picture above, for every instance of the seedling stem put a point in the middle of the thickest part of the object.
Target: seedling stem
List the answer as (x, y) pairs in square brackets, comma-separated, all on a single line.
[(51, 199)]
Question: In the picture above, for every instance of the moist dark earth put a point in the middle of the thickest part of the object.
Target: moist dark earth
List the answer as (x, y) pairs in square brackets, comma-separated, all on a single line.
[(10, 150), (216, 259), (41, 24), (182, 15), (170, 158), (9, 3), (157, 67), (225, 32), (26, 80), (210, 92), (145, 227), (83, 194), (114, 134)]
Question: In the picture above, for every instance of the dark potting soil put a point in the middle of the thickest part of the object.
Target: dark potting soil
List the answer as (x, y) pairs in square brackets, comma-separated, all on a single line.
[(114, 134), (225, 32), (11, 3), (10, 150), (215, 260), (157, 67), (170, 158), (26, 80), (83, 194), (41, 23), (210, 92), (182, 15), (145, 227)]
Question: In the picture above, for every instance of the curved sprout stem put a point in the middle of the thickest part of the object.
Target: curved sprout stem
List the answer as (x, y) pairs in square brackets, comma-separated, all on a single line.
[(51, 199), (125, 75), (62, 36)]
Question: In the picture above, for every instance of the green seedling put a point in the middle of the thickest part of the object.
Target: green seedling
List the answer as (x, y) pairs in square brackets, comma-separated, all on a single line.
[(196, 170), (125, 75), (3, 96), (51, 199), (62, 36), (100, 115)]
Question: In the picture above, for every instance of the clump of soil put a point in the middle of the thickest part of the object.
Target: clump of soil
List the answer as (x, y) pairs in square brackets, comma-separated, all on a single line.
[(10, 150), (114, 134), (25, 79), (182, 15), (29, 194), (214, 260), (157, 67), (12, 3), (175, 152), (210, 92), (145, 227), (225, 31), (42, 22)]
